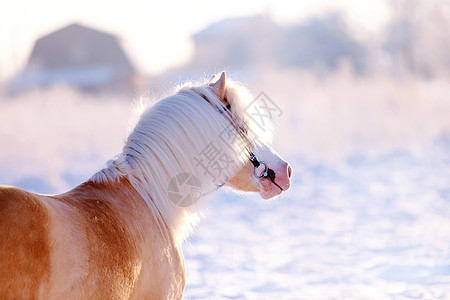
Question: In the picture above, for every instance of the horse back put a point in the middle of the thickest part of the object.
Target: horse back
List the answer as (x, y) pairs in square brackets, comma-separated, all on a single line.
[(24, 245)]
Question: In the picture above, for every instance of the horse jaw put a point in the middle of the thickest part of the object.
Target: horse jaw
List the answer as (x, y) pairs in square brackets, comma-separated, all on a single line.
[(242, 180)]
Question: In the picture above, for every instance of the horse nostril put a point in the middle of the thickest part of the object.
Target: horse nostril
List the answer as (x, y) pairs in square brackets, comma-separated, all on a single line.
[(289, 171)]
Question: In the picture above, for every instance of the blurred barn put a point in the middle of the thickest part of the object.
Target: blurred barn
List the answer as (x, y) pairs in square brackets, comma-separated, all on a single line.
[(80, 57)]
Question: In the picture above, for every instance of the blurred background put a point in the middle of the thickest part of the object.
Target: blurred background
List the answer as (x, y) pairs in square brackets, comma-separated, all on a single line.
[(364, 87)]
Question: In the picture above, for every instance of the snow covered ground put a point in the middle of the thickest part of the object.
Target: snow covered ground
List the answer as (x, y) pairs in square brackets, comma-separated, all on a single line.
[(367, 216)]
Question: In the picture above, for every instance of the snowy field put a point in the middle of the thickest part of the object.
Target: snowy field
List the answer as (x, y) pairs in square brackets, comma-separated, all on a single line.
[(368, 213), (360, 229)]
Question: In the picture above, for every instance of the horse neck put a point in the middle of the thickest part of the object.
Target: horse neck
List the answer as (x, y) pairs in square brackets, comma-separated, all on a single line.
[(122, 200)]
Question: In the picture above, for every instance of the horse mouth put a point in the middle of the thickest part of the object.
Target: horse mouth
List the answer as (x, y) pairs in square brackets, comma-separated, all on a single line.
[(278, 186)]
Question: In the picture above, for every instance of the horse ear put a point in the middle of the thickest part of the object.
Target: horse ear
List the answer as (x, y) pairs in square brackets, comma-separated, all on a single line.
[(219, 86)]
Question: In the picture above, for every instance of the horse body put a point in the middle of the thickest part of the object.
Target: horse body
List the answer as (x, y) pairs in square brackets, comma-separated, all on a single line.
[(98, 241), (118, 235)]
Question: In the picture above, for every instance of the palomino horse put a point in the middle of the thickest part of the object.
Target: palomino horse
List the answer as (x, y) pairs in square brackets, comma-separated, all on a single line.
[(118, 235)]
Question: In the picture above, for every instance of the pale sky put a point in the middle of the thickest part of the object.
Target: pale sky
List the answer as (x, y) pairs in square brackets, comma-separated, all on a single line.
[(156, 34)]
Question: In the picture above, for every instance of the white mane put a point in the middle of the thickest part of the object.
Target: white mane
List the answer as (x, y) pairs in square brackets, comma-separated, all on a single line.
[(171, 137)]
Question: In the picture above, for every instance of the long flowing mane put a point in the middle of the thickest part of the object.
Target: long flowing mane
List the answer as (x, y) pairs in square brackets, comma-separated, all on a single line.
[(170, 138)]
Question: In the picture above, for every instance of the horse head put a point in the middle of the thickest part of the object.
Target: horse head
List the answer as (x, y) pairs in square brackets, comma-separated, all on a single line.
[(264, 171)]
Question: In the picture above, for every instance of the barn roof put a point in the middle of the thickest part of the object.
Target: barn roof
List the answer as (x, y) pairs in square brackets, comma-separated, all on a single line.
[(76, 55), (78, 46)]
